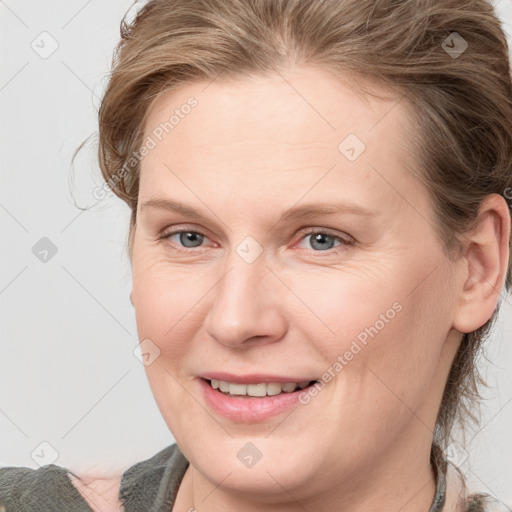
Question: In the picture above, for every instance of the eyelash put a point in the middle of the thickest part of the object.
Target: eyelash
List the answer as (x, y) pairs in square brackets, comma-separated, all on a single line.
[(309, 231)]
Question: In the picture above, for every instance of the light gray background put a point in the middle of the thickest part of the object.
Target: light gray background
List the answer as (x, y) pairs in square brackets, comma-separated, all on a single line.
[(69, 378)]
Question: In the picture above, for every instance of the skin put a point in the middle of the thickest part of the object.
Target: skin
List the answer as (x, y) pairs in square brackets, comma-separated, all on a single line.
[(250, 150), (101, 494)]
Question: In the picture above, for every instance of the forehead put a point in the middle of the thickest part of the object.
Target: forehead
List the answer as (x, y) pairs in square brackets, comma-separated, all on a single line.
[(283, 130), (308, 107)]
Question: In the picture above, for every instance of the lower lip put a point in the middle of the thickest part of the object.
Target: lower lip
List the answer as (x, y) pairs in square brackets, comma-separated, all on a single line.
[(248, 409)]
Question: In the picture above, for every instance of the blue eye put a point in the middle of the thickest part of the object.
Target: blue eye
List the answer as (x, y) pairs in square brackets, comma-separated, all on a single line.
[(320, 240), (187, 237), (323, 241)]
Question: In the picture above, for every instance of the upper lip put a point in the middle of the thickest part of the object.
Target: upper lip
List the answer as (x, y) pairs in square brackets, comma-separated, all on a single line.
[(252, 378)]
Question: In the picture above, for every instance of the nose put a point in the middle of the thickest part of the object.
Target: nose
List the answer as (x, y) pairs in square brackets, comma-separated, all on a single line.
[(246, 307)]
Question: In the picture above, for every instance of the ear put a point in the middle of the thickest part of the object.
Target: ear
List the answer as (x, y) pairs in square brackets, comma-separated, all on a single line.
[(485, 260)]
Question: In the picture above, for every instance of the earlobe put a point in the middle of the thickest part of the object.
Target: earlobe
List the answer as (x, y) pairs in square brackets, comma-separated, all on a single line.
[(485, 258)]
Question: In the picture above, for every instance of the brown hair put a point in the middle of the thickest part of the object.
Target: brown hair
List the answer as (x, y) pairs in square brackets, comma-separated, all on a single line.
[(462, 103)]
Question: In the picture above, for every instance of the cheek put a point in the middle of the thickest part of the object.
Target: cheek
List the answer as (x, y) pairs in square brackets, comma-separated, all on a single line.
[(396, 370), (386, 337), (166, 298), (167, 304), (339, 306)]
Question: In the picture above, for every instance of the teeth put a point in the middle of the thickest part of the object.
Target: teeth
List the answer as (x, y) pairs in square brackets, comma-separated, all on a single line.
[(257, 390), (274, 388), (237, 389), (289, 387)]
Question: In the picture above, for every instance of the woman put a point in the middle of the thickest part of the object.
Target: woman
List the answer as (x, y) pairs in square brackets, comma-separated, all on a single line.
[(318, 243)]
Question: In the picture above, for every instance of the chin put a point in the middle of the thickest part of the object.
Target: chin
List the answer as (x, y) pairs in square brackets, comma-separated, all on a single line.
[(255, 464)]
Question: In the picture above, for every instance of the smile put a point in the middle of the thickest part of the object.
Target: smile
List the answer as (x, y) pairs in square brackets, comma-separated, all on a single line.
[(253, 402), (257, 390)]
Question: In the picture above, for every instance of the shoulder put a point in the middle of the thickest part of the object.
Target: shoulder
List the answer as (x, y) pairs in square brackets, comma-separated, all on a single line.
[(154, 480), (140, 483), (45, 489), (150, 482), (157, 463)]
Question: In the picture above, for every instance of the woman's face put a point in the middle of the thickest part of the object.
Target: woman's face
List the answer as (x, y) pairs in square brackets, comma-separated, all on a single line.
[(305, 250)]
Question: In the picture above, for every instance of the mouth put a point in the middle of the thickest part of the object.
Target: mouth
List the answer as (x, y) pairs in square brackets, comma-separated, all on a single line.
[(252, 398), (259, 390)]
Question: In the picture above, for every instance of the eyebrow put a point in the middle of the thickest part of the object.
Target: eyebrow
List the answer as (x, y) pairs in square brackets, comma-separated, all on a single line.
[(303, 212)]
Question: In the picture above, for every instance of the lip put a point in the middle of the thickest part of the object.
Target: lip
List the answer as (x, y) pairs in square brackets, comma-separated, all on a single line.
[(249, 409), (253, 378)]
